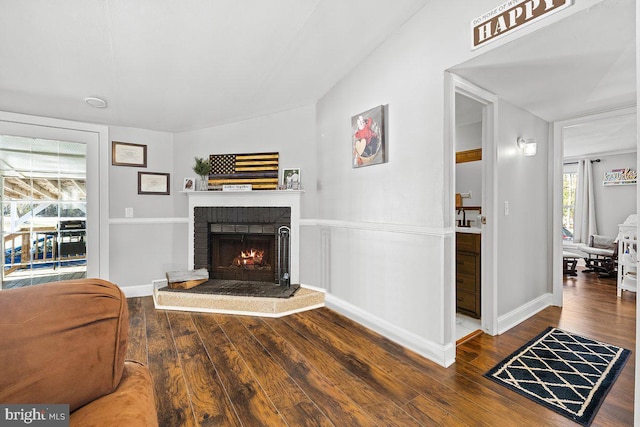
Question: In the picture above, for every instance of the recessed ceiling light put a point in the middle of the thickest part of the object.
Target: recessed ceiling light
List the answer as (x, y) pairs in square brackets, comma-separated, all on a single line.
[(96, 102)]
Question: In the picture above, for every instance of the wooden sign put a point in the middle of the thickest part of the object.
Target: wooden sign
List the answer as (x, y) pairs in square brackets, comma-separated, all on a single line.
[(511, 15), (469, 155), (260, 170)]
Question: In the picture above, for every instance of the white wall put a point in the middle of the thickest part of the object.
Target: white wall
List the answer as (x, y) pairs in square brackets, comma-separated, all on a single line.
[(469, 174), (469, 137), (291, 133), (142, 247), (403, 204), (124, 179), (523, 234), (613, 203)]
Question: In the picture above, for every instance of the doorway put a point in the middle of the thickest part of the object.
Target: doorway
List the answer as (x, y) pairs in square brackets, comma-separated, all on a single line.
[(471, 124), (468, 196), (609, 140)]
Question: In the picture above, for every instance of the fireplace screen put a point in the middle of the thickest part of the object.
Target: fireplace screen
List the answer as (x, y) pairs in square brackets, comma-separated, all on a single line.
[(243, 257)]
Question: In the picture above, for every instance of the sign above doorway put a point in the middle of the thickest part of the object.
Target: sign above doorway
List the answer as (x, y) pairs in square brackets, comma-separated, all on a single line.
[(511, 15)]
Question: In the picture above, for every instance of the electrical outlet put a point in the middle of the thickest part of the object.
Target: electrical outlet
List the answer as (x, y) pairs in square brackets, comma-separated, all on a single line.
[(128, 212)]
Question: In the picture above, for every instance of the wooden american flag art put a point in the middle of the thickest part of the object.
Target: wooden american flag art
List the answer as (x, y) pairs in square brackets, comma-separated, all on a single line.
[(258, 169)]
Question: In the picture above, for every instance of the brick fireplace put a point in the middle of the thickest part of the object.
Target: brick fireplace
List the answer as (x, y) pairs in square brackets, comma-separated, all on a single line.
[(224, 228), (242, 243)]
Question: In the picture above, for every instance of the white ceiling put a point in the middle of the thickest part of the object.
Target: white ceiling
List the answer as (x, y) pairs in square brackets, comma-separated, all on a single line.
[(582, 65), (181, 65), (174, 66)]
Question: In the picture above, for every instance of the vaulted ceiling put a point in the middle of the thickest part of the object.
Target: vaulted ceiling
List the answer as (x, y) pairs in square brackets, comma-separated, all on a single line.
[(181, 65)]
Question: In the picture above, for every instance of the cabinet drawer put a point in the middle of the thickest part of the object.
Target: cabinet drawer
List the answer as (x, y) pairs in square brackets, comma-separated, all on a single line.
[(468, 242), (466, 301), (466, 282), (466, 263)]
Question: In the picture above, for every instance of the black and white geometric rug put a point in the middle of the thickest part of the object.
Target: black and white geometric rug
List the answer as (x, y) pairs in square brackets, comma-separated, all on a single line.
[(565, 372)]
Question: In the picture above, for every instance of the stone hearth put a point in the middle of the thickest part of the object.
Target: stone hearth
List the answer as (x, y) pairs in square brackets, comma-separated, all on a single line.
[(303, 299)]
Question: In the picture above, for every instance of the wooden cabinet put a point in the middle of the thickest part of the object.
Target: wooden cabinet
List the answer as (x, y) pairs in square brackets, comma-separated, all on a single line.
[(468, 274)]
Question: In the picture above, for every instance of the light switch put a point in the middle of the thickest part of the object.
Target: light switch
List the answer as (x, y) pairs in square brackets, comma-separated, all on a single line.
[(506, 208), (128, 212)]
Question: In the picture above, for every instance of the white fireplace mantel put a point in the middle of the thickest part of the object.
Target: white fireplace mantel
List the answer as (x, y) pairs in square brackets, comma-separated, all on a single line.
[(258, 198)]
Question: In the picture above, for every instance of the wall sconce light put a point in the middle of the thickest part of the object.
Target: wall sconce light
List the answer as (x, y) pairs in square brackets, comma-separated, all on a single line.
[(529, 147)]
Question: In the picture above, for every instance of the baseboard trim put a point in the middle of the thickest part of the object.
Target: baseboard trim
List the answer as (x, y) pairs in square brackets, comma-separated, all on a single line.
[(524, 312), (138, 290), (442, 355)]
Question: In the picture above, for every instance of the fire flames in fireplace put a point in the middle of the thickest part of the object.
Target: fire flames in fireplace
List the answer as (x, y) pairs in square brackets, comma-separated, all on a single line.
[(250, 259)]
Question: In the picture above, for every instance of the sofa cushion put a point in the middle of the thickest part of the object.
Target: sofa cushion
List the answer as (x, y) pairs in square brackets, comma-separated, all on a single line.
[(62, 342)]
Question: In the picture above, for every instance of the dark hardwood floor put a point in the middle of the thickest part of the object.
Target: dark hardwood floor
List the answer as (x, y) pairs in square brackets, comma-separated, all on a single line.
[(319, 368)]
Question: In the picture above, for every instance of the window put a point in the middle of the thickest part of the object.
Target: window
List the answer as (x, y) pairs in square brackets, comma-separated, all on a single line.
[(569, 186), (44, 210)]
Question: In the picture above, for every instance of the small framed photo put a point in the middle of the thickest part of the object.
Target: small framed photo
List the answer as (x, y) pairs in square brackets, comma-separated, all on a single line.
[(153, 183), (291, 179), (127, 154), (189, 184)]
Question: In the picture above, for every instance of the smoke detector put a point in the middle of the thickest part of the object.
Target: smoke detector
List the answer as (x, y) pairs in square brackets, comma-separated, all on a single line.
[(96, 102)]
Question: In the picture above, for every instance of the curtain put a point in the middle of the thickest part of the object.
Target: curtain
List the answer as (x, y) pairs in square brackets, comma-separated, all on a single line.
[(585, 213)]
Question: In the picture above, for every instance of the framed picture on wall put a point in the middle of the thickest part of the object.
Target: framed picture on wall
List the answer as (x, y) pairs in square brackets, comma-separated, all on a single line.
[(153, 183), (127, 154), (369, 143)]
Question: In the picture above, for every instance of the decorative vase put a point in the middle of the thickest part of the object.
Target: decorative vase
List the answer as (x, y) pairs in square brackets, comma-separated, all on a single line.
[(204, 183)]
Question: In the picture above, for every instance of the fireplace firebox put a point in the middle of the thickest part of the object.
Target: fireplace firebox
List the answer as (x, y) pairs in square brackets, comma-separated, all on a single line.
[(247, 257), (243, 243)]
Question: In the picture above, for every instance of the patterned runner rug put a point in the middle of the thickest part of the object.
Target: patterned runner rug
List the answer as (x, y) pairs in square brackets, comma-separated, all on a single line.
[(565, 372)]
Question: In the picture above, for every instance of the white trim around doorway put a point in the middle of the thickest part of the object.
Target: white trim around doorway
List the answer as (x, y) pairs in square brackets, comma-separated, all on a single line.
[(489, 304)]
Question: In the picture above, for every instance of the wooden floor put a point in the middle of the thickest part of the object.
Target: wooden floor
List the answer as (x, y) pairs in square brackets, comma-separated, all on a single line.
[(320, 369)]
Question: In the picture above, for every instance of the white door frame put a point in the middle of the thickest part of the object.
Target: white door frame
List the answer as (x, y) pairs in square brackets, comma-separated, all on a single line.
[(97, 175), (489, 286), (556, 162)]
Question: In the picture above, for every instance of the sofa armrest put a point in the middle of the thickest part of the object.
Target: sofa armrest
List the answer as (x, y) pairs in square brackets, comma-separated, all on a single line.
[(132, 404), (62, 342)]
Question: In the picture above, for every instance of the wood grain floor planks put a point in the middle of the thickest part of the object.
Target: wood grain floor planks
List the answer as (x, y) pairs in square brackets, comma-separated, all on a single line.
[(319, 368)]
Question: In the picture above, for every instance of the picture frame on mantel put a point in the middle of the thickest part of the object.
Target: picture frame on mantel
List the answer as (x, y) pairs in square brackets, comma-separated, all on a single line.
[(189, 184), (154, 183), (291, 179), (128, 154)]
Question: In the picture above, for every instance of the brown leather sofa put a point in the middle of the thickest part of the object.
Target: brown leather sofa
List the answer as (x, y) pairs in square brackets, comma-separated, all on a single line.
[(65, 343)]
